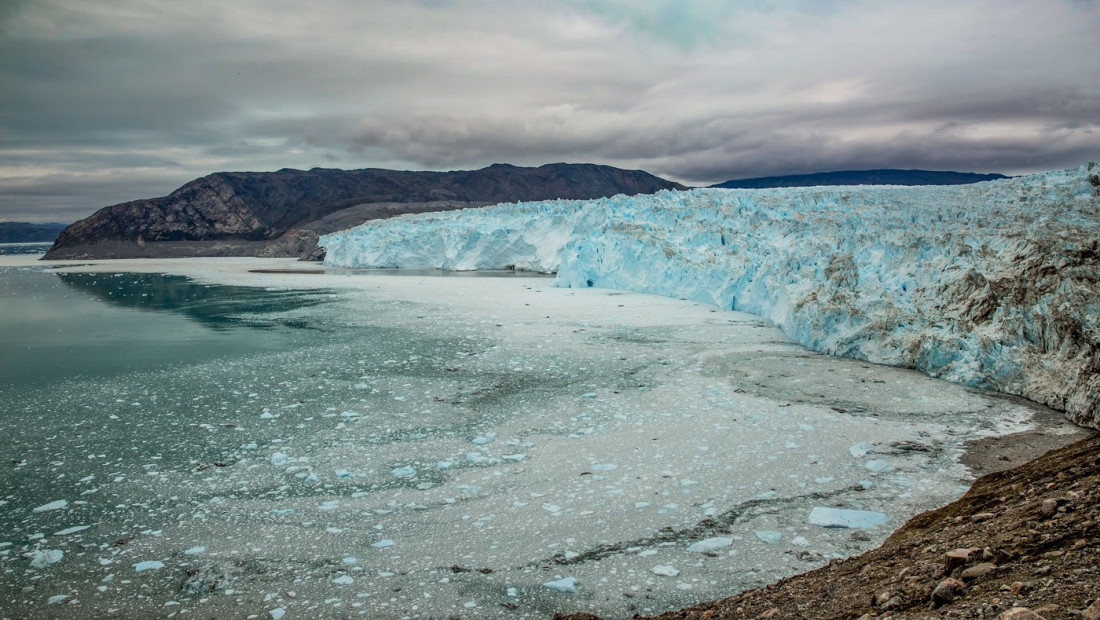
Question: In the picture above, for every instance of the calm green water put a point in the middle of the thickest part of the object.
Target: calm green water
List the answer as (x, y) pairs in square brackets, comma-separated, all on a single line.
[(55, 325)]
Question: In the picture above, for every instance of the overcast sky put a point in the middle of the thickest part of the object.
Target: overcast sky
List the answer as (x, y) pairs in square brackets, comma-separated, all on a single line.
[(103, 101)]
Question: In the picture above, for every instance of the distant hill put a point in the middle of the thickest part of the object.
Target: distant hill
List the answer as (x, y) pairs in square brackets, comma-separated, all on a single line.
[(282, 213), (28, 232), (884, 176)]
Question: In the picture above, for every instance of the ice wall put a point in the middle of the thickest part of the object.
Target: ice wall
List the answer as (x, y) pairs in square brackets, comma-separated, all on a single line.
[(995, 284)]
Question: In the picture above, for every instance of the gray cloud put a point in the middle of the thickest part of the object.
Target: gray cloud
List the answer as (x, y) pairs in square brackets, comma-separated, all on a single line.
[(102, 102)]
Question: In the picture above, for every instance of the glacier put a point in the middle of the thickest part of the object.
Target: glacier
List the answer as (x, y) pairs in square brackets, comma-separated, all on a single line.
[(994, 285)]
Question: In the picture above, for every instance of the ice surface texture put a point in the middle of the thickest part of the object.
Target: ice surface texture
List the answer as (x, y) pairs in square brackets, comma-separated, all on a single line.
[(995, 284)]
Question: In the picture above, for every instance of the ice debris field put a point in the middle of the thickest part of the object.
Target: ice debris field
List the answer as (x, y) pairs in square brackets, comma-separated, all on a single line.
[(487, 447), (994, 284)]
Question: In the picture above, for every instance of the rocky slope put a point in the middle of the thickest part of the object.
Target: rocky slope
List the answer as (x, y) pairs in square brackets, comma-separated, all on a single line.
[(281, 213), (1022, 544), (994, 284), (884, 176)]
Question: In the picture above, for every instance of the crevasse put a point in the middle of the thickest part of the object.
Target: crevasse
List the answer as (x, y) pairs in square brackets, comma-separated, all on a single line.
[(993, 284)]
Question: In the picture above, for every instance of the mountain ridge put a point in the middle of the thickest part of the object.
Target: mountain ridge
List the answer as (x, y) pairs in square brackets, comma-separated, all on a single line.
[(29, 232), (876, 176), (281, 213)]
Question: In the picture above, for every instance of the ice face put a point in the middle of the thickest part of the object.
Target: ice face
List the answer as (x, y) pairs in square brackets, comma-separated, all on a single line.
[(989, 284)]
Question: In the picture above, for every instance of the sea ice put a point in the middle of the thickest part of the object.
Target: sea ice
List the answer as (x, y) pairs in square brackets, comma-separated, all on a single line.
[(664, 570), (841, 517), (44, 557), (55, 505), (567, 585), (57, 599), (72, 530), (148, 565), (710, 544), (769, 536)]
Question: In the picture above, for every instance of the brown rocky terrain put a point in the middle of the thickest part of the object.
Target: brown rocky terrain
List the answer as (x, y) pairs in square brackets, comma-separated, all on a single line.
[(1022, 544), (282, 213)]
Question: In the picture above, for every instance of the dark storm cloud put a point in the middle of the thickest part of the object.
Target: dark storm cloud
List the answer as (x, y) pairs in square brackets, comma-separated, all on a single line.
[(105, 102)]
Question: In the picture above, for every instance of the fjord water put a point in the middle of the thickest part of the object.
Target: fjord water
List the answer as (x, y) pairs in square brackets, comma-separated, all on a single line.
[(410, 446), (60, 325)]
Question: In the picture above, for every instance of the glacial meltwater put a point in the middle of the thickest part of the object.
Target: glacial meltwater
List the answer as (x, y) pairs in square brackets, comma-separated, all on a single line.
[(215, 442)]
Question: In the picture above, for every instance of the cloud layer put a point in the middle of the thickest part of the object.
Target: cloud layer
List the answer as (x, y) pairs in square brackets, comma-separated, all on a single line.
[(102, 102)]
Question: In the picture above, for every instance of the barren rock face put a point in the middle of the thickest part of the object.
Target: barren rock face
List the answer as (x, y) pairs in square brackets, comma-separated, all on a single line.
[(995, 284), (240, 208)]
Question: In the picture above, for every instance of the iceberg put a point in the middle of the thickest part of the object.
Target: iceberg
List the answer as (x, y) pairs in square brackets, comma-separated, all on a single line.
[(994, 285), (846, 518)]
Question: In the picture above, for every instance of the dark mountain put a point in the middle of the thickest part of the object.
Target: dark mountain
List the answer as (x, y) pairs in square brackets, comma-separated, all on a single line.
[(863, 177), (282, 213), (27, 232)]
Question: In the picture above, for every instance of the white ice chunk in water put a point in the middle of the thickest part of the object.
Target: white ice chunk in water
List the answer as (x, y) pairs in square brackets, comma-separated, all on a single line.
[(382, 544), (404, 472), (605, 467), (276, 613), (841, 517), (148, 565), (800, 541), (57, 599), (55, 505), (664, 570), (859, 450), (878, 466), (710, 544), (769, 536), (195, 550), (279, 459), (331, 504), (567, 585), (44, 557), (72, 530), (343, 580)]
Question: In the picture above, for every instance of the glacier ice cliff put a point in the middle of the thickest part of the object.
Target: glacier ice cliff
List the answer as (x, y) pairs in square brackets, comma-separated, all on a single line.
[(995, 285)]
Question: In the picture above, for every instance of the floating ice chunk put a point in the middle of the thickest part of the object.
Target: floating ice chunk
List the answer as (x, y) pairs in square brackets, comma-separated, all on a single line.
[(481, 440), (56, 599), (72, 530), (514, 458), (841, 517), (331, 504), (878, 466), (588, 395), (349, 416), (512, 592), (349, 560), (343, 473), (44, 557), (382, 544), (800, 541), (55, 505), (148, 565), (477, 458), (664, 570), (334, 530), (279, 459), (195, 550), (605, 467), (710, 544), (470, 604), (640, 505), (267, 415), (859, 450), (551, 507), (404, 472), (277, 613), (567, 585), (343, 580), (444, 464), (769, 536)]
